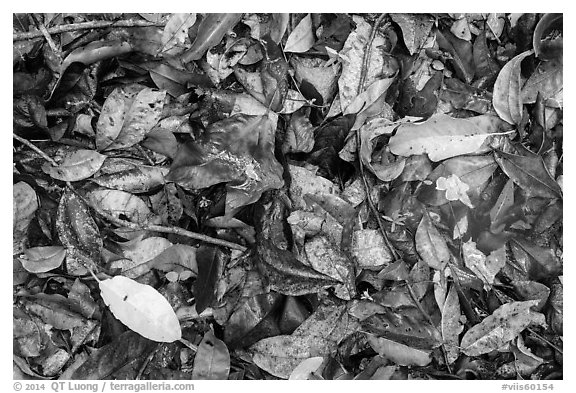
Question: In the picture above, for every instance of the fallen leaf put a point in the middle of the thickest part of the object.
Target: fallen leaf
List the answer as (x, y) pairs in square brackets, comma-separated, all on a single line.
[(415, 29), (43, 259), (212, 360), (496, 330), (75, 166), (176, 30), (529, 173), (79, 234), (24, 205), (400, 354), (96, 51), (107, 360), (139, 179), (370, 250), (507, 99), (306, 368), (141, 308), (431, 245), (443, 137), (128, 114), (210, 32), (548, 81), (451, 325), (117, 203), (210, 261), (301, 38)]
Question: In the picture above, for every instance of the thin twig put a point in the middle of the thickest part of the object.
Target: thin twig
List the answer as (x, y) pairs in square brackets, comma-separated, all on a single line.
[(96, 24), (37, 150), (359, 144), (46, 35), (163, 229)]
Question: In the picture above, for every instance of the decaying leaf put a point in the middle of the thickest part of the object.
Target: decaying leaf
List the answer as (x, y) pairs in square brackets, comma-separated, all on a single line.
[(43, 259), (75, 166), (451, 324), (24, 204)]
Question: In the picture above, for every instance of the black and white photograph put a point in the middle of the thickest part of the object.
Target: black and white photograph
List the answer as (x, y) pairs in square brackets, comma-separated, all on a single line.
[(286, 196)]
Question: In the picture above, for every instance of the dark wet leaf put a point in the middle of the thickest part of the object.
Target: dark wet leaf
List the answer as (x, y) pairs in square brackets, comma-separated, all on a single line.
[(545, 48), (211, 261), (540, 263), (104, 362), (285, 273), (483, 60), (79, 234), (529, 173), (461, 52)]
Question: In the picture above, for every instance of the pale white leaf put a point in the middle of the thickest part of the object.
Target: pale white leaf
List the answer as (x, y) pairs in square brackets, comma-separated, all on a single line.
[(431, 245), (484, 267), (451, 326), (142, 308)]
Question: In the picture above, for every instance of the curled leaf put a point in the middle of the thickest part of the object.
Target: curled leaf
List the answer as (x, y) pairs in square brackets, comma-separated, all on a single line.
[(301, 39)]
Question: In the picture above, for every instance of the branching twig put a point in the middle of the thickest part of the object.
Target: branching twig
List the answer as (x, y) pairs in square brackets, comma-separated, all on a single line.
[(359, 144), (96, 24)]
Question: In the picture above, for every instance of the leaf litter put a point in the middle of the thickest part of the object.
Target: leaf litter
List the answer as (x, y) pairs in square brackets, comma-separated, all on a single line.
[(288, 196)]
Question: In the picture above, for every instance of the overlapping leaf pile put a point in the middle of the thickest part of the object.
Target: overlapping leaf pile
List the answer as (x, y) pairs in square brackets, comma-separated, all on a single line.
[(295, 196)]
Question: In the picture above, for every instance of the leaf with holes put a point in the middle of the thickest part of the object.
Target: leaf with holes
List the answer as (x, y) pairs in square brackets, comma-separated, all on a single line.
[(142, 308), (212, 361), (77, 165)]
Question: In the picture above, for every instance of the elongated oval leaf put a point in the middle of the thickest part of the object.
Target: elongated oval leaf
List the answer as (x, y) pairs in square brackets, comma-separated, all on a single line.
[(431, 245), (443, 137), (210, 262), (25, 204), (137, 180), (43, 259), (96, 51), (530, 173), (399, 353), (78, 165), (78, 233), (507, 100), (142, 308), (210, 32), (212, 361), (301, 39), (451, 326), (505, 324)]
